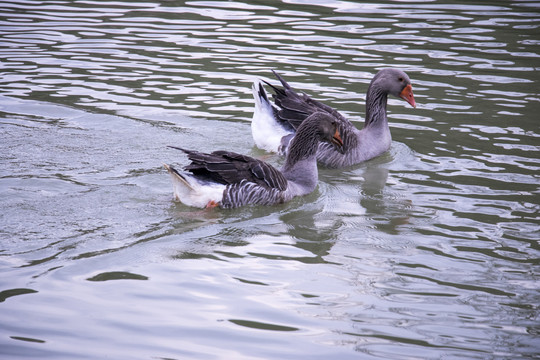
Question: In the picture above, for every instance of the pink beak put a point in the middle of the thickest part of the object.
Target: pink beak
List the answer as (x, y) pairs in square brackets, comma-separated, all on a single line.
[(407, 95)]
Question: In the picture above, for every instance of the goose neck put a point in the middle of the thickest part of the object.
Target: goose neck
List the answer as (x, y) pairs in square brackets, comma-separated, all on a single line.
[(376, 101), (303, 146)]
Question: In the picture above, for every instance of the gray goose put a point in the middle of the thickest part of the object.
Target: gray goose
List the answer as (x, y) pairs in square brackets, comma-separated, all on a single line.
[(273, 126), (229, 180)]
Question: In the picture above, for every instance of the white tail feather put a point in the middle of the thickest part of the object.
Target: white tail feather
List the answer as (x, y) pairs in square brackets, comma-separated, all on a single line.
[(191, 192), (265, 129)]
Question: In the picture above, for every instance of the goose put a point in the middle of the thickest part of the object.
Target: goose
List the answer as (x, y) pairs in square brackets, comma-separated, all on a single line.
[(274, 125), (228, 180)]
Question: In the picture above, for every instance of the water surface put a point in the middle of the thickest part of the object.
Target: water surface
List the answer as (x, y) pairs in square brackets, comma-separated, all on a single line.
[(429, 251)]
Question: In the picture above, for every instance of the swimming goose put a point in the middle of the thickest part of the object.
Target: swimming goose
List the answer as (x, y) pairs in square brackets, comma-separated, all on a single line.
[(228, 180), (273, 126)]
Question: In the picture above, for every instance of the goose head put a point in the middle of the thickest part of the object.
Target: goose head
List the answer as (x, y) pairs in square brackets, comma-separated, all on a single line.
[(328, 129), (395, 82)]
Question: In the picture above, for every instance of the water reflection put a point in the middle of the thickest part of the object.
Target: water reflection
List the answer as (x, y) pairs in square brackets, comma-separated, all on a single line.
[(388, 213), (310, 234)]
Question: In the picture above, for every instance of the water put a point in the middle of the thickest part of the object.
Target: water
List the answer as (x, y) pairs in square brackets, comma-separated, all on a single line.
[(428, 252)]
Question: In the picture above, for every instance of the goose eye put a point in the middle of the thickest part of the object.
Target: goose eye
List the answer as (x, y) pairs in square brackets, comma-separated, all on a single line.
[(401, 79)]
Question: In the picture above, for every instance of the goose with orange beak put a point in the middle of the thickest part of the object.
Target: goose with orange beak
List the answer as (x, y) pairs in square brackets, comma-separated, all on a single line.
[(274, 124)]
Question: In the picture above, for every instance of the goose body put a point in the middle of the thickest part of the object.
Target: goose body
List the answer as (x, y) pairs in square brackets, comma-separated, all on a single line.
[(228, 180), (275, 125)]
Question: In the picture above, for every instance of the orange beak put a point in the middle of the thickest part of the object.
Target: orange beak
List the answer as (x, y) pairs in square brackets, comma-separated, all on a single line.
[(407, 95), (337, 139)]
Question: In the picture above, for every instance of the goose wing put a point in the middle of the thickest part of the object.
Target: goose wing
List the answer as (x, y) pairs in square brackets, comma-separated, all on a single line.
[(226, 167), (294, 108)]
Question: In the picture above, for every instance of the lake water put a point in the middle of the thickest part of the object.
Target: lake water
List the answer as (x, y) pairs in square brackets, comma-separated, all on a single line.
[(430, 251)]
